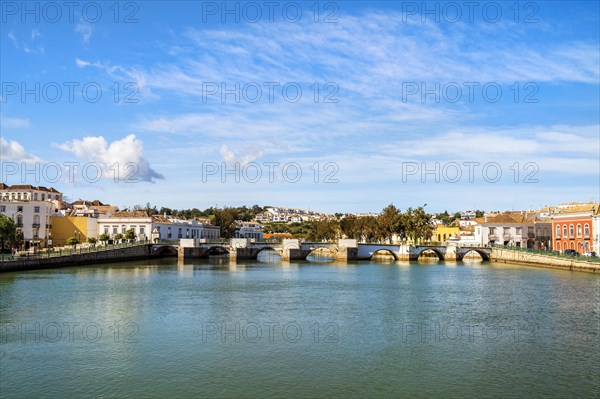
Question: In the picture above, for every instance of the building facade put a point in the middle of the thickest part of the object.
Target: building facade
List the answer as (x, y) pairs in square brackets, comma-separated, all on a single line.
[(516, 229), (250, 230), (80, 227), (573, 228), (31, 208), (155, 227)]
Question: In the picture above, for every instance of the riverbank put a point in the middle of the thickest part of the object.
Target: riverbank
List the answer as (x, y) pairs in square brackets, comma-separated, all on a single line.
[(503, 255), (137, 252)]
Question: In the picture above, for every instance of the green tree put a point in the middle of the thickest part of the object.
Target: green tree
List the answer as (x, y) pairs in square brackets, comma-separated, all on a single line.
[(8, 232), (350, 227), (72, 241), (130, 235), (225, 218), (389, 223), (418, 225), (92, 240), (118, 237), (104, 237)]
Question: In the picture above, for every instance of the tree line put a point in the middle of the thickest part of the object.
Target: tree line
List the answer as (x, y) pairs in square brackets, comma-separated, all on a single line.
[(391, 224)]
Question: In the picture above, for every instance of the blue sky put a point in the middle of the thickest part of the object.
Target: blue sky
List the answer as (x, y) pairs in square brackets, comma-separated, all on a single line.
[(369, 131)]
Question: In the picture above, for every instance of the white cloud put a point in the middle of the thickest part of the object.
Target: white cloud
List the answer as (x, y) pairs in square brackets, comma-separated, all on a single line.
[(119, 154), (246, 157), (85, 31), (15, 152), (14, 123)]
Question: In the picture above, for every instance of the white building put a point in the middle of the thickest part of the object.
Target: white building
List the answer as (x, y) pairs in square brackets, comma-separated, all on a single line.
[(596, 232), (514, 229), (155, 227), (250, 230), (31, 208)]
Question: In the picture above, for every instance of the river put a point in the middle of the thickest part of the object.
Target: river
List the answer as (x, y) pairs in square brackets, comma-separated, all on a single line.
[(300, 329)]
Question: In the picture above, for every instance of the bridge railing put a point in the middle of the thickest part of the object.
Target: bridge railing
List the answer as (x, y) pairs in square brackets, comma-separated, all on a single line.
[(552, 253), (52, 253)]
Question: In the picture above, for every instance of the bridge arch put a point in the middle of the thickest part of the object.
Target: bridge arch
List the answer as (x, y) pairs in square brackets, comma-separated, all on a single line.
[(434, 250), (217, 250), (164, 250), (483, 254), (316, 251), (257, 251), (386, 250)]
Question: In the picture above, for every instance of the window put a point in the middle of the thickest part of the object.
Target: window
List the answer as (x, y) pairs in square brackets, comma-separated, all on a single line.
[(518, 231), (142, 230), (578, 230), (36, 209), (2, 208), (571, 231), (19, 209), (557, 231), (586, 230), (43, 197), (106, 230), (564, 230), (115, 229), (492, 230)]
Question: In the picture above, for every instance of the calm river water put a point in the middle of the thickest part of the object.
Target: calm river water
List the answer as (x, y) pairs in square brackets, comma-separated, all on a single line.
[(306, 329)]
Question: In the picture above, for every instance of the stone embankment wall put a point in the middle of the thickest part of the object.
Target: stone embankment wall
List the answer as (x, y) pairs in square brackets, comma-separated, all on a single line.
[(112, 255), (548, 261)]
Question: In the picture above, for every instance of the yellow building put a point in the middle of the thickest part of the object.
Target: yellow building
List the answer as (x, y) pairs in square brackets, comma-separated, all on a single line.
[(80, 227), (443, 233)]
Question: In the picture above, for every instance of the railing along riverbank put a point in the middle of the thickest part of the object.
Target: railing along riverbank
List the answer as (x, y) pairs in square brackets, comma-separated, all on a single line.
[(546, 259)]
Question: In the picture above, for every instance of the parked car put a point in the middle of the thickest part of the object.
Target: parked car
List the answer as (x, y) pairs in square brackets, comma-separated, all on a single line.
[(571, 252)]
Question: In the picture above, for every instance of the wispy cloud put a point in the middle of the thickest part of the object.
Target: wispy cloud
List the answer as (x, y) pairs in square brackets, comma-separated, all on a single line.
[(84, 30), (14, 123), (29, 45)]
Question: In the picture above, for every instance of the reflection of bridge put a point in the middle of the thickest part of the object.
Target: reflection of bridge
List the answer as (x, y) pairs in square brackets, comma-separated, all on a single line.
[(293, 249)]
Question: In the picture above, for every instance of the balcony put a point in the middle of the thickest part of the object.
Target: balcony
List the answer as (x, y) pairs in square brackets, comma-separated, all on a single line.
[(586, 236), (530, 235), (572, 236), (558, 237), (19, 224), (35, 225)]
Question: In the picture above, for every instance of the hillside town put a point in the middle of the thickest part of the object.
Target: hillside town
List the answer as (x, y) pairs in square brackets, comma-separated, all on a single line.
[(44, 219)]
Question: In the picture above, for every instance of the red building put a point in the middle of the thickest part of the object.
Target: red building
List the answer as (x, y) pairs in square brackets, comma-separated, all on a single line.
[(572, 227)]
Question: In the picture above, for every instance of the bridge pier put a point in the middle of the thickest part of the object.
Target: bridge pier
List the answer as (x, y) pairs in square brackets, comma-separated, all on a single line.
[(294, 254)]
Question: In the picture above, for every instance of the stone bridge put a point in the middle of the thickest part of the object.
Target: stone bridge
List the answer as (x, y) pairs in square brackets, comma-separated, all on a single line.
[(294, 249)]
